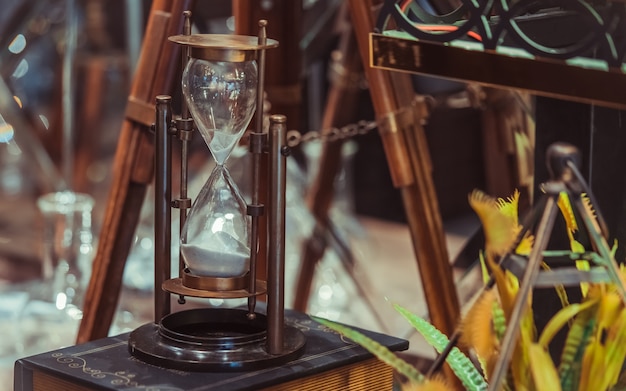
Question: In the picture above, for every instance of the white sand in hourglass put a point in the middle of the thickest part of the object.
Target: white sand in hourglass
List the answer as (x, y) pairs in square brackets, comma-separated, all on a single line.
[(222, 144), (220, 256)]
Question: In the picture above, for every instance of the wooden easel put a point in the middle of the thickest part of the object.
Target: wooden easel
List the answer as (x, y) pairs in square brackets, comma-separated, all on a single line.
[(401, 131), (409, 161), (132, 167)]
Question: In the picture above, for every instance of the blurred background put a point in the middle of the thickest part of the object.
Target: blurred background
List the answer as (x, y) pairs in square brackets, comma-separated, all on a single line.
[(66, 70)]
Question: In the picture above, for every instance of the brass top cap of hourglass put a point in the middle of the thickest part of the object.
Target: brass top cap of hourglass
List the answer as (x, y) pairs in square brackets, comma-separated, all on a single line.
[(223, 47)]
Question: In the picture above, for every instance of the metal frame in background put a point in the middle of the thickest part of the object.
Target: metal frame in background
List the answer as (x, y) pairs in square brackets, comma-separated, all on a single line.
[(501, 45)]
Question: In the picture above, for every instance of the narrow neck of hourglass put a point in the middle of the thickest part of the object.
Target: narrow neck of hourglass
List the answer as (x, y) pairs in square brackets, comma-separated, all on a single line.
[(221, 145)]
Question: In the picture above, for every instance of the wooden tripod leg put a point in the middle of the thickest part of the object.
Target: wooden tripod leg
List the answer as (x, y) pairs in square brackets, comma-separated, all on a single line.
[(133, 167), (409, 163), (341, 107)]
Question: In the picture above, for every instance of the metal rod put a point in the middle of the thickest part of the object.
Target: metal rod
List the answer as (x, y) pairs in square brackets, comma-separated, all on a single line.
[(604, 230), (262, 41), (530, 275), (276, 252), (185, 53), (184, 147), (601, 246), (71, 32), (256, 147), (162, 209)]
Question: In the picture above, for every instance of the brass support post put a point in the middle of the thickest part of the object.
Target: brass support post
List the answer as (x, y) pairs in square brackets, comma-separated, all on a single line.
[(162, 206), (256, 147), (276, 246)]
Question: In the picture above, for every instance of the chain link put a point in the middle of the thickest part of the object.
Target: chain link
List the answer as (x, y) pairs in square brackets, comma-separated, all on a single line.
[(295, 138), (472, 97)]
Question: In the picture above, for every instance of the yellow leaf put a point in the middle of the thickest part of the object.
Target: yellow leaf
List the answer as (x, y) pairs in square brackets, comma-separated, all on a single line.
[(590, 211), (581, 264), (560, 319), (521, 359), (499, 228), (509, 206), (542, 369), (477, 326), (568, 213), (526, 244), (433, 384), (484, 270), (595, 356), (615, 349), (559, 288)]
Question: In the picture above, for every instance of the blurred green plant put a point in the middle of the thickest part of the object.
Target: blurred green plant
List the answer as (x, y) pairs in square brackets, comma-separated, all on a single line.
[(594, 351)]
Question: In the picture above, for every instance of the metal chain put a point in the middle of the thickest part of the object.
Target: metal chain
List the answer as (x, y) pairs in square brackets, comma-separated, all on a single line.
[(295, 138), (473, 96)]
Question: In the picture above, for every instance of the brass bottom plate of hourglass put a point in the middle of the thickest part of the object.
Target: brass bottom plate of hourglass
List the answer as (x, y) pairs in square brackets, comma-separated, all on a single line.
[(212, 339), (176, 286)]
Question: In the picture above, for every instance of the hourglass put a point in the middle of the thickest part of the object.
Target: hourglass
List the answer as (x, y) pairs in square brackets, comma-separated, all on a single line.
[(221, 96), (222, 85)]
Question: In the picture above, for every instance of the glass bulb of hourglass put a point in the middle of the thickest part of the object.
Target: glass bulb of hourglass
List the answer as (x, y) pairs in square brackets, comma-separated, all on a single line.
[(222, 98)]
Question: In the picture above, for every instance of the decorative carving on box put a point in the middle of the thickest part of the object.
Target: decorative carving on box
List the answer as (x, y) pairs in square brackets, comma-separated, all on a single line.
[(576, 28)]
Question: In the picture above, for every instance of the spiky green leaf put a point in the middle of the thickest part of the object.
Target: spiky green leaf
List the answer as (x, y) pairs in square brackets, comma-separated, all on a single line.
[(462, 366), (380, 351)]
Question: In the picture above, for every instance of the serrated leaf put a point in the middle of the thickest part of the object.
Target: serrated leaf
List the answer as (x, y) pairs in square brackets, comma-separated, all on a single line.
[(460, 364), (378, 350), (499, 228)]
